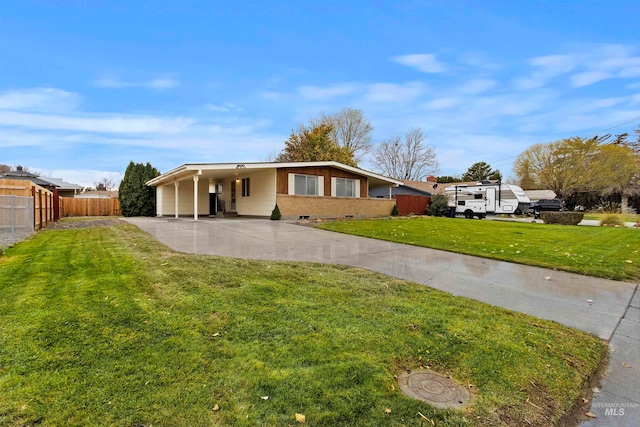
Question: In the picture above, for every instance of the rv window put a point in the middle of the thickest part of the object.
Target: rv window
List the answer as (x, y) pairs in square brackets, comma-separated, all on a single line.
[(477, 196), (460, 202)]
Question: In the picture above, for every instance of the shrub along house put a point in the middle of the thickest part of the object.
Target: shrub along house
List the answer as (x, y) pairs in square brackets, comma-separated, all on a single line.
[(301, 190)]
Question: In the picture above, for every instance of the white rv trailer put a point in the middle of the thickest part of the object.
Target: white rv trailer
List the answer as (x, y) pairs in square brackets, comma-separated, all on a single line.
[(487, 198)]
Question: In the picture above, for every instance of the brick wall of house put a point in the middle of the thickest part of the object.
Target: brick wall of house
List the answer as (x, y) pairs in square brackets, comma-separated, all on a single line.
[(292, 207)]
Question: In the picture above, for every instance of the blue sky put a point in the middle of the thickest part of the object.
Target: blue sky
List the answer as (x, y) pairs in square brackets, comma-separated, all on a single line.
[(87, 86)]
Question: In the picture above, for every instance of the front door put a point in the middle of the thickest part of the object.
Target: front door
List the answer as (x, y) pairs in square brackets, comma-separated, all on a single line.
[(232, 185), (213, 204)]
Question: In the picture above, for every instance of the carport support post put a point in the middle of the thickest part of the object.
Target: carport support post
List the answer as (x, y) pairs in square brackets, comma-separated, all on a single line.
[(195, 197), (159, 201), (175, 185)]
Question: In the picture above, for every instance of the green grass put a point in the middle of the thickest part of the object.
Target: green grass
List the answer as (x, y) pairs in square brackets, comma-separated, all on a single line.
[(612, 253), (105, 326)]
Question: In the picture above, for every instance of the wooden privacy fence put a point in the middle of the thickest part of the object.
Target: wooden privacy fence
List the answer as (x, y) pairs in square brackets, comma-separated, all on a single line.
[(408, 204), (89, 207), (44, 200)]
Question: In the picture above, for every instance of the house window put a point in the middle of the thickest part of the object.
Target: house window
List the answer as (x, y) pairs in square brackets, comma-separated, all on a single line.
[(245, 187), (306, 185), (345, 187)]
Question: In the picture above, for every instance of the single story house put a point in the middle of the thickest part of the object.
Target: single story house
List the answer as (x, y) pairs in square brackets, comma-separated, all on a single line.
[(301, 189)]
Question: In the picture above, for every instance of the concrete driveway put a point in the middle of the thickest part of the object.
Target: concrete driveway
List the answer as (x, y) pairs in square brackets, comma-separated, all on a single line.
[(605, 308)]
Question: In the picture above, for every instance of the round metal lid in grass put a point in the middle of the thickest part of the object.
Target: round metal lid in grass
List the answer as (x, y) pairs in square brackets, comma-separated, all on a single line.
[(436, 389)]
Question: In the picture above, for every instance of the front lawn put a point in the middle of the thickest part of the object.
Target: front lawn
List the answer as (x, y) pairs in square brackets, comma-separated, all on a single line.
[(624, 217), (611, 253), (104, 326)]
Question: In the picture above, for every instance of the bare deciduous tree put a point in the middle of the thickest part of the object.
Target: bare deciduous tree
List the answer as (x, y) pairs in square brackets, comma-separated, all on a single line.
[(350, 129), (105, 184), (408, 159)]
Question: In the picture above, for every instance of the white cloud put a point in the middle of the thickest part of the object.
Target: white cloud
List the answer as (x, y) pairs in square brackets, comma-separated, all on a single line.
[(588, 78), (227, 107), (546, 68), (425, 62), (442, 104), (589, 64), (479, 60), (327, 92), (477, 86), (553, 65), (159, 83), (100, 123), (273, 95), (391, 92), (39, 99), (111, 83)]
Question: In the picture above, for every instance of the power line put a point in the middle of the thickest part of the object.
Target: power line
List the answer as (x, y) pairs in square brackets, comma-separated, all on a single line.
[(505, 161), (621, 124)]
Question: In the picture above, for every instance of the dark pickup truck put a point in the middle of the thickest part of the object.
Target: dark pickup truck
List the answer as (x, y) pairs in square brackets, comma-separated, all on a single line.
[(543, 205)]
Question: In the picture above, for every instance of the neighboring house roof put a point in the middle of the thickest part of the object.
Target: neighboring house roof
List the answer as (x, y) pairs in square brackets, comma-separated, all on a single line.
[(535, 195), (399, 190), (27, 176), (421, 185), (63, 185), (58, 183), (227, 170)]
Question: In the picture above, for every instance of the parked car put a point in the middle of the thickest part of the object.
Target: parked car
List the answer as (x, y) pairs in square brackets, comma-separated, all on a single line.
[(546, 205)]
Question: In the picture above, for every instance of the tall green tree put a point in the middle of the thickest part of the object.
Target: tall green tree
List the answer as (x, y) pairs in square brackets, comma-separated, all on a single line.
[(136, 198), (481, 171), (314, 144)]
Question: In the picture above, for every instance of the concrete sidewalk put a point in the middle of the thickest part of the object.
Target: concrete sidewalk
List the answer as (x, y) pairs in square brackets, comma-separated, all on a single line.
[(605, 308)]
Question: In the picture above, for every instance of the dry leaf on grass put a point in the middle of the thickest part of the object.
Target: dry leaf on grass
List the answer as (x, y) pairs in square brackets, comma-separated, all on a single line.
[(301, 418), (591, 415), (387, 411)]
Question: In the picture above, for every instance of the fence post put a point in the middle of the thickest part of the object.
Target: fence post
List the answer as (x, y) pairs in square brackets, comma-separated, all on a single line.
[(12, 214), (40, 208), (33, 196), (56, 205)]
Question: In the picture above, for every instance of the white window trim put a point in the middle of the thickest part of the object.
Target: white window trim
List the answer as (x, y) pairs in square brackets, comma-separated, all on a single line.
[(334, 187), (319, 183)]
